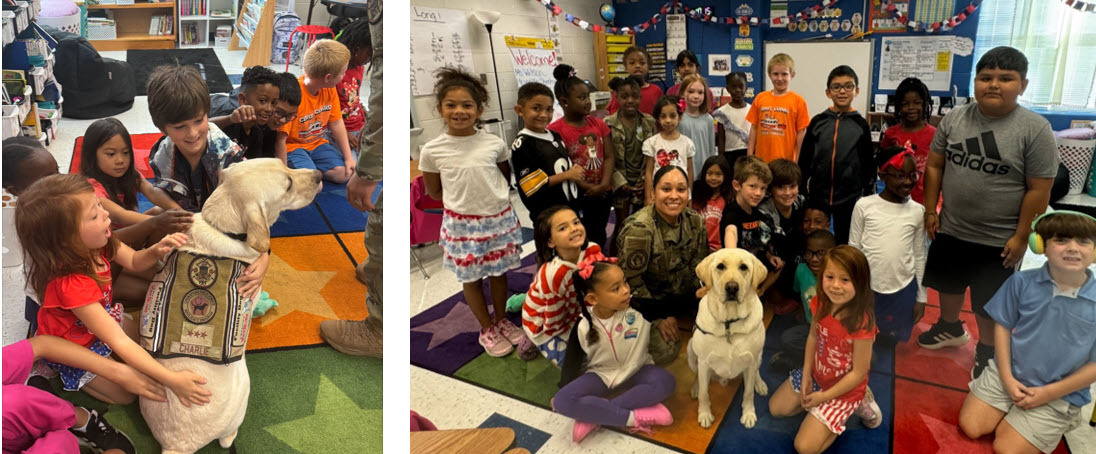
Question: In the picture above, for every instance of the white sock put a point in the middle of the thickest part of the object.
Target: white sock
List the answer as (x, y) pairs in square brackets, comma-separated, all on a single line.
[(85, 427), (631, 419)]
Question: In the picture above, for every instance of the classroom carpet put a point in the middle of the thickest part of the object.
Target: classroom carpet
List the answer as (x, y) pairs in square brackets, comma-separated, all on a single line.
[(145, 61), (305, 396), (919, 391)]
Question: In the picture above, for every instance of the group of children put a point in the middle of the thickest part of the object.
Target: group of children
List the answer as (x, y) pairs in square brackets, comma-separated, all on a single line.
[(88, 249), (869, 276)]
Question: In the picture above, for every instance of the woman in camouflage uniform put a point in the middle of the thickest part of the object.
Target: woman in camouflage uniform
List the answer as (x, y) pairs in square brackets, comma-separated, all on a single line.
[(660, 247)]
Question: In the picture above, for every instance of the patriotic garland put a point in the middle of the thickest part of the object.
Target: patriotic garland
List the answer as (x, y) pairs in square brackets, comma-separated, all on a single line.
[(934, 27), (1080, 6), (700, 14)]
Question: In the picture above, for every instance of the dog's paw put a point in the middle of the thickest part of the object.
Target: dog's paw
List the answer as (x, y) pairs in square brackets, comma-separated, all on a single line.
[(705, 418), (748, 419), (760, 387)]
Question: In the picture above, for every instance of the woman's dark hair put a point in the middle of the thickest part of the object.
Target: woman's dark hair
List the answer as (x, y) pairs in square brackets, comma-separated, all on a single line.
[(914, 85), (449, 78), (16, 150), (668, 100), (542, 233), (585, 286), (686, 55), (664, 170), (620, 82), (701, 192), (99, 133), (566, 80)]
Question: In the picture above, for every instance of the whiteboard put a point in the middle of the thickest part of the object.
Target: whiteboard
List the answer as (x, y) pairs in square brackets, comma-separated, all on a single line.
[(439, 38), (813, 62)]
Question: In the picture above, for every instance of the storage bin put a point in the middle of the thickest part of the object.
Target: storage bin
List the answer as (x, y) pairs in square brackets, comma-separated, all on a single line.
[(221, 42), (11, 121), (99, 30), (1077, 157), (9, 29)]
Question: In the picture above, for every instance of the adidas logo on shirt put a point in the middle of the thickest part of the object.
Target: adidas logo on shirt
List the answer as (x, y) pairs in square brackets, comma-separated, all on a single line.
[(978, 153)]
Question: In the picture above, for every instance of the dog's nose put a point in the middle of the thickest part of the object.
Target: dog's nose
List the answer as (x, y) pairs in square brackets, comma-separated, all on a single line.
[(732, 289), (316, 176)]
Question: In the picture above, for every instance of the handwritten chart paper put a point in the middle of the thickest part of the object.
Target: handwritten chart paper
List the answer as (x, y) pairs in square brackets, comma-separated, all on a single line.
[(928, 58), (534, 61), (439, 38)]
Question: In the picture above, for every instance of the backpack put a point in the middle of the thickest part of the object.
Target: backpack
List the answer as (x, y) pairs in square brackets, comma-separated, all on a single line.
[(284, 24), (94, 87)]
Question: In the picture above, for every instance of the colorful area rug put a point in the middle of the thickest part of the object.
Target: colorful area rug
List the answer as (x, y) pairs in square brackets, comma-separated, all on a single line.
[(305, 397), (919, 391)]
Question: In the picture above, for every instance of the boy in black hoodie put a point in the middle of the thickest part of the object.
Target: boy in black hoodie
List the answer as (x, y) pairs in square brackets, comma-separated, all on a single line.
[(836, 157)]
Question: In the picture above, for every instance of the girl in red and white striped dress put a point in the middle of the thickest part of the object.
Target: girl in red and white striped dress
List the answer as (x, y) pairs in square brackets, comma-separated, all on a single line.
[(551, 308), (833, 382)]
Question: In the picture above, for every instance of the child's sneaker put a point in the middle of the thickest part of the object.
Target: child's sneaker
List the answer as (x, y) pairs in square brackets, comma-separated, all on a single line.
[(982, 355), (100, 436), (655, 415), (944, 334), (527, 350), (41, 368), (582, 429), (494, 343), (869, 411), (509, 331)]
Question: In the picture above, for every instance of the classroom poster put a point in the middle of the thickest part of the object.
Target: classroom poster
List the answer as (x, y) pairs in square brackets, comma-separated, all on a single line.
[(439, 38), (719, 64), (880, 21), (534, 61), (928, 58), (930, 11), (676, 36)]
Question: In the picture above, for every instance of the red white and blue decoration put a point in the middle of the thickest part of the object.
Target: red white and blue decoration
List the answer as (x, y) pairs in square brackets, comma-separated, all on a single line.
[(934, 27), (1088, 7), (700, 14)]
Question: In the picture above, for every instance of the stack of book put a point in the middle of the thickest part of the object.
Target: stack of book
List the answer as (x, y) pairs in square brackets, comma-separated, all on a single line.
[(161, 25)]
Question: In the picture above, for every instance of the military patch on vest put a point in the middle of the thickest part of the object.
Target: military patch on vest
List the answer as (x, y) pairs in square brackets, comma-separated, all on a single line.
[(193, 309), (636, 260)]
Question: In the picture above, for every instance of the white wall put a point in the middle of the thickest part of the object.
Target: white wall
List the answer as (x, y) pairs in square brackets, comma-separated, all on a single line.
[(521, 18)]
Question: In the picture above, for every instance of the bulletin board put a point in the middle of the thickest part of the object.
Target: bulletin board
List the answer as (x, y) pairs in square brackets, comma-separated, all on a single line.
[(810, 82), (439, 38)]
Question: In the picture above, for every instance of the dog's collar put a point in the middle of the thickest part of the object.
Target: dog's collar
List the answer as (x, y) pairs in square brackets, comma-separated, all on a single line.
[(726, 326), (236, 236)]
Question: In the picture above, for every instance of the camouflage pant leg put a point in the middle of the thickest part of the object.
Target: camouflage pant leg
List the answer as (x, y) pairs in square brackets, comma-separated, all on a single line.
[(662, 351), (374, 276)]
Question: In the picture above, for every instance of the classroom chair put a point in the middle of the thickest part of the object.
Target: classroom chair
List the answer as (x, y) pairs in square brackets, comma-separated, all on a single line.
[(310, 32)]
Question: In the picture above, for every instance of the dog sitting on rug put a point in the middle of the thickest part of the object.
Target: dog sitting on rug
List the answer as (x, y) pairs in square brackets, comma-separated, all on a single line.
[(193, 317)]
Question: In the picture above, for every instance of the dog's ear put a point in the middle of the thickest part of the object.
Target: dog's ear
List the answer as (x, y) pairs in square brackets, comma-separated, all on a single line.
[(704, 270), (258, 231), (757, 271)]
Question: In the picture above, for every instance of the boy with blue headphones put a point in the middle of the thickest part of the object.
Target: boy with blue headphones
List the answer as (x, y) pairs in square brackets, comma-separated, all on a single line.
[(1045, 342)]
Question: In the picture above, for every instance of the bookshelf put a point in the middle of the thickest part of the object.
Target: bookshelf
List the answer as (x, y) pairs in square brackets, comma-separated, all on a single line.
[(254, 31), (199, 19), (609, 57), (132, 26)]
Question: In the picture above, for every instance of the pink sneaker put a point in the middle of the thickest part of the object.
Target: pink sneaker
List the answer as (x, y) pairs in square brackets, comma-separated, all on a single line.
[(509, 331), (869, 411), (582, 429), (494, 343), (655, 415)]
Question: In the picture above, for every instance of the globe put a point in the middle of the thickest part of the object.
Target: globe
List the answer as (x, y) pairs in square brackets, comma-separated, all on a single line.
[(608, 13)]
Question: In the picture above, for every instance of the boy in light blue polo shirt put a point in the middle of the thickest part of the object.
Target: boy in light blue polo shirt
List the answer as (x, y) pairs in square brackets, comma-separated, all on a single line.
[(1045, 337)]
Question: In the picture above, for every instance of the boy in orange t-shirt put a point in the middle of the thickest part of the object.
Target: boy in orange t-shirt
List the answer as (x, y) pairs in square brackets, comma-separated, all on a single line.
[(301, 143), (779, 116)]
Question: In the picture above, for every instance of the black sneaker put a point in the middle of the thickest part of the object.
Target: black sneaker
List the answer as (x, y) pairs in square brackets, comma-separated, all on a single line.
[(101, 436), (982, 355), (782, 362), (944, 334)]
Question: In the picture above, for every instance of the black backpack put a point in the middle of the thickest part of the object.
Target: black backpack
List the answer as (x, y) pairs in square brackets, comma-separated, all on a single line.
[(92, 86)]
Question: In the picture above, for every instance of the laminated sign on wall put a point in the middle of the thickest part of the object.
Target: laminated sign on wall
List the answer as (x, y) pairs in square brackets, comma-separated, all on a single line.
[(675, 35), (906, 56)]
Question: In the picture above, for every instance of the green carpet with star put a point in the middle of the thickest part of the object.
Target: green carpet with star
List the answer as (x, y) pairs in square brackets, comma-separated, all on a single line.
[(306, 400)]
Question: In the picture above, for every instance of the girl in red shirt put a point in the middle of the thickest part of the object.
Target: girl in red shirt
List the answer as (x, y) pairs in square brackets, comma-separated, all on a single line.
[(913, 128), (637, 62), (65, 232), (832, 384)]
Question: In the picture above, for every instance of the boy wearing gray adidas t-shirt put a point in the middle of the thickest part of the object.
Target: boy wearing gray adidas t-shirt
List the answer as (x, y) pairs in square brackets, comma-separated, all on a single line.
[(995, 163)]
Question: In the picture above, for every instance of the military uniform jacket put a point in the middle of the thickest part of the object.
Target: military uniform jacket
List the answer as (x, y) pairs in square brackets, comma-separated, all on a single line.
[(193, 309), (658, 259)]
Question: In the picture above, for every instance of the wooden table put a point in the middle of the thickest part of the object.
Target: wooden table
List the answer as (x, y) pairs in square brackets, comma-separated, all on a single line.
[(494, 440)]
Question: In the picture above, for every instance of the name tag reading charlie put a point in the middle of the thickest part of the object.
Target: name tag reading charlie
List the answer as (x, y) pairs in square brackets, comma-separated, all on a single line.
[(194, 309)]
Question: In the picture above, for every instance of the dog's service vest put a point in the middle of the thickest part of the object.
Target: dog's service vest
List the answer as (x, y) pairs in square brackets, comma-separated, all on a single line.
[(194, 309)]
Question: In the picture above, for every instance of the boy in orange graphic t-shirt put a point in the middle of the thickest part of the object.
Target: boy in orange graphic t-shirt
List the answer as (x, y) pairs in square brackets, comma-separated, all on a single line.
[(779, 116), (301, 143)]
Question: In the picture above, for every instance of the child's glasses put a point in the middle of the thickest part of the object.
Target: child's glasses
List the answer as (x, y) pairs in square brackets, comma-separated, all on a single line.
[(809, 254), (278, 114), (846, 87), (912, 176)]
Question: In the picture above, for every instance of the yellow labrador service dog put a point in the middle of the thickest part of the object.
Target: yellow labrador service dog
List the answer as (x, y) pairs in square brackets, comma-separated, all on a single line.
[(194, 318), (729, 332)]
